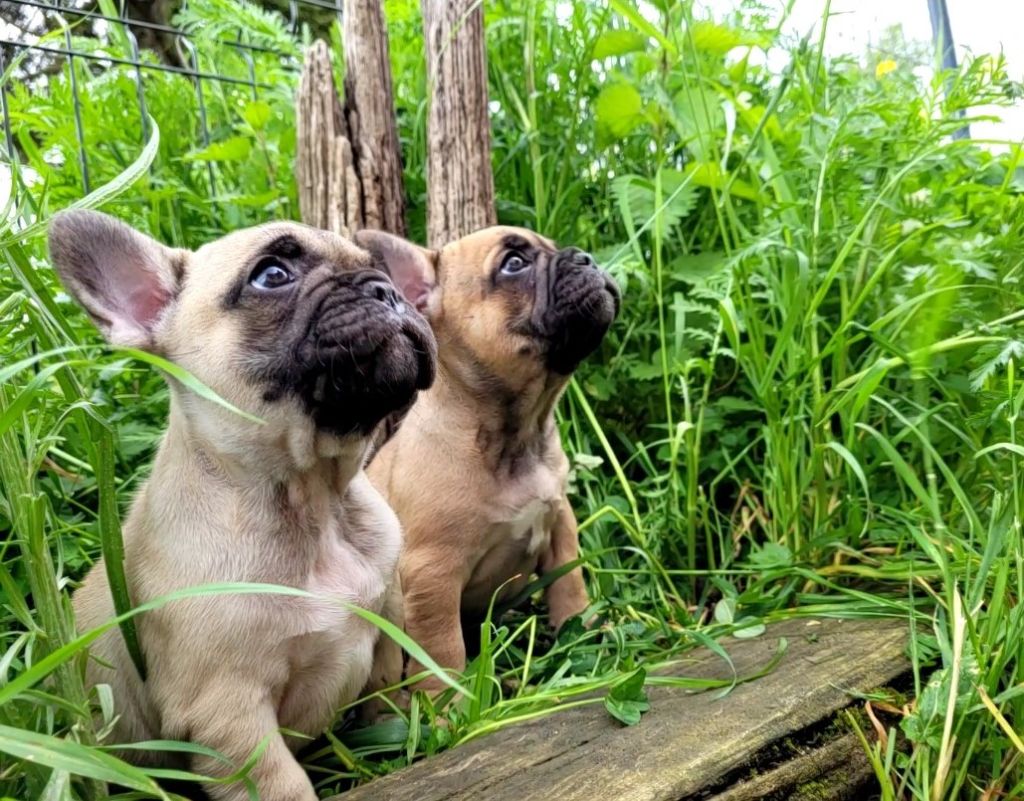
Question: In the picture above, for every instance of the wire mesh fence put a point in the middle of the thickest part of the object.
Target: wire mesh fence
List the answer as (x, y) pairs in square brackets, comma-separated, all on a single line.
[(49, 47)]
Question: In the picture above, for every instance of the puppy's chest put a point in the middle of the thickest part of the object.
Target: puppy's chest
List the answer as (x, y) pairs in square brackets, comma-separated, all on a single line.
[(524, 512), (350, 566), (528, 531)]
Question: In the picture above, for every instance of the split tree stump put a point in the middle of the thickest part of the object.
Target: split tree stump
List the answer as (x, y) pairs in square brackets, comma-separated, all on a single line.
[(370, 113), (460, 197), (330, 194), (348, 161), (768, 738)]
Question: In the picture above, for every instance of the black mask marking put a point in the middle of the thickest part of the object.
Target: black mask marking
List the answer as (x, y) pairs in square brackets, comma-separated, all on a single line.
[(575, 305), (344, 343)]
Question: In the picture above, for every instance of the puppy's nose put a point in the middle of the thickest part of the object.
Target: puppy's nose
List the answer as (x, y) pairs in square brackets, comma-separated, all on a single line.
[(583, 259), (384, 292), (577, 257)]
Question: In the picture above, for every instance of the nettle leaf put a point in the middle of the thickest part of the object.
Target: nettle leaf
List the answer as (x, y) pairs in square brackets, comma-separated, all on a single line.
[(644, 371), (752, 118), (257, 113), (237, 148), (711, 37), (636, 196), (926, 722), (627, 700), (618, 43), (699, 118), (619, 108), (710, 175)]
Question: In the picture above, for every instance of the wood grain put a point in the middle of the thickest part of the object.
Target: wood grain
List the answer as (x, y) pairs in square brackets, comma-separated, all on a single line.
[(460, 186), (685, 745), (839, 770), (370, 112), (348, 160), (329, 193)]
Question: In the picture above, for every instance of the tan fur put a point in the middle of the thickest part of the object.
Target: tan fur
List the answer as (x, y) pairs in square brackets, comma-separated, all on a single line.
[(473, 521), (229, 500)]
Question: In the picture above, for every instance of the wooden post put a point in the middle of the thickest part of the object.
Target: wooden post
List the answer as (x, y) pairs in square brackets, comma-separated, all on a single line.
[(329, 192), (370, 113), (459, 179), (348, 163)]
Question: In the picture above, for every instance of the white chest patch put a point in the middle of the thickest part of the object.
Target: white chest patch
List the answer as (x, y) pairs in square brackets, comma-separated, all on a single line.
[(532, 524)]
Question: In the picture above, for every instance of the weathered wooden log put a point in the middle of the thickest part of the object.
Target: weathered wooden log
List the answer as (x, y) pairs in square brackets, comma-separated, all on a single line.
[(688, 746), (348, 161), (460, 196), (839, 770)]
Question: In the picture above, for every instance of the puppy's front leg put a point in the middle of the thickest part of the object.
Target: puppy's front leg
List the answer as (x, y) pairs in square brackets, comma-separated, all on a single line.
[(234, 717), (567, 595), (433, 598)]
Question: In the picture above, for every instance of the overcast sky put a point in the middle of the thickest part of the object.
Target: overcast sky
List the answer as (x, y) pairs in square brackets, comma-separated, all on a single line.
[(979, 26)]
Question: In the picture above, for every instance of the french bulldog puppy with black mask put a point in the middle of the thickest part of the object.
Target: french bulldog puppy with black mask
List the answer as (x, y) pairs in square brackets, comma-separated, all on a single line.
[(476, 471), (296, 327)]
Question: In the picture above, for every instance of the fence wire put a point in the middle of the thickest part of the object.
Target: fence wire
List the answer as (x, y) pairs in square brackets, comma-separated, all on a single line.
[(21, 51)]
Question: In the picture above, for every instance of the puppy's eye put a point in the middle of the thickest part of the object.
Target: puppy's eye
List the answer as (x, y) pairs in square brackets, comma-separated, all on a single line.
[(514, 264), (270, 273)]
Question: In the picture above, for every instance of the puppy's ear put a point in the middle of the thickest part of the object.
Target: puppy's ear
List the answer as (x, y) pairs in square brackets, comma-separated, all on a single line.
[(412, 269), (124, 279)]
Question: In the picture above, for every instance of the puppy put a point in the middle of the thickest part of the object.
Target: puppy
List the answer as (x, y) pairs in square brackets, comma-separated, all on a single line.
[(296, 327), (476, 472)]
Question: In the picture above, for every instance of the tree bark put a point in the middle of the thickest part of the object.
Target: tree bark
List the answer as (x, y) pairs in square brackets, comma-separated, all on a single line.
[(329, 193), (370, 113), (460, 184), (348, 162), (158, 12)]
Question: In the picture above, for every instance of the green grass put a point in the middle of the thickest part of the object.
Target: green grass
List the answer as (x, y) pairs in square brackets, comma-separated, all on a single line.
[(811, 404)]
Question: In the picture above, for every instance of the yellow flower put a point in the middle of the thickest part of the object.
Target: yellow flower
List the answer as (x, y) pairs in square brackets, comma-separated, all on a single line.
[(884, 67)]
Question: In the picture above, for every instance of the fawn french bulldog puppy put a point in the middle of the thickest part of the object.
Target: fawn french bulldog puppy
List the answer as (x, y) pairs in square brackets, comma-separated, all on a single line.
[(476, 471), (296, 327)]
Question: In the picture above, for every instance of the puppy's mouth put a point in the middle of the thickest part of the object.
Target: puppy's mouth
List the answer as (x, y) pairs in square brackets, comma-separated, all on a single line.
[(359, 353), (576, 302)]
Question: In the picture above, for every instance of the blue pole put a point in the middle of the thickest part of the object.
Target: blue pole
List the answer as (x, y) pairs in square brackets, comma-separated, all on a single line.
[(942, 37)]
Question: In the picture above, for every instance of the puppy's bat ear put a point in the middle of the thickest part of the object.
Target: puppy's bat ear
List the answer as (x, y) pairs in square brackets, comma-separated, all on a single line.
[(124, 279), (412, 269)]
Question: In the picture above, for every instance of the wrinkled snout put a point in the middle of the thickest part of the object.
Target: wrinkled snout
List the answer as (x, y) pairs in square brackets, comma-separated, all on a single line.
[(572, 258), (361, 353), (576, 305)]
